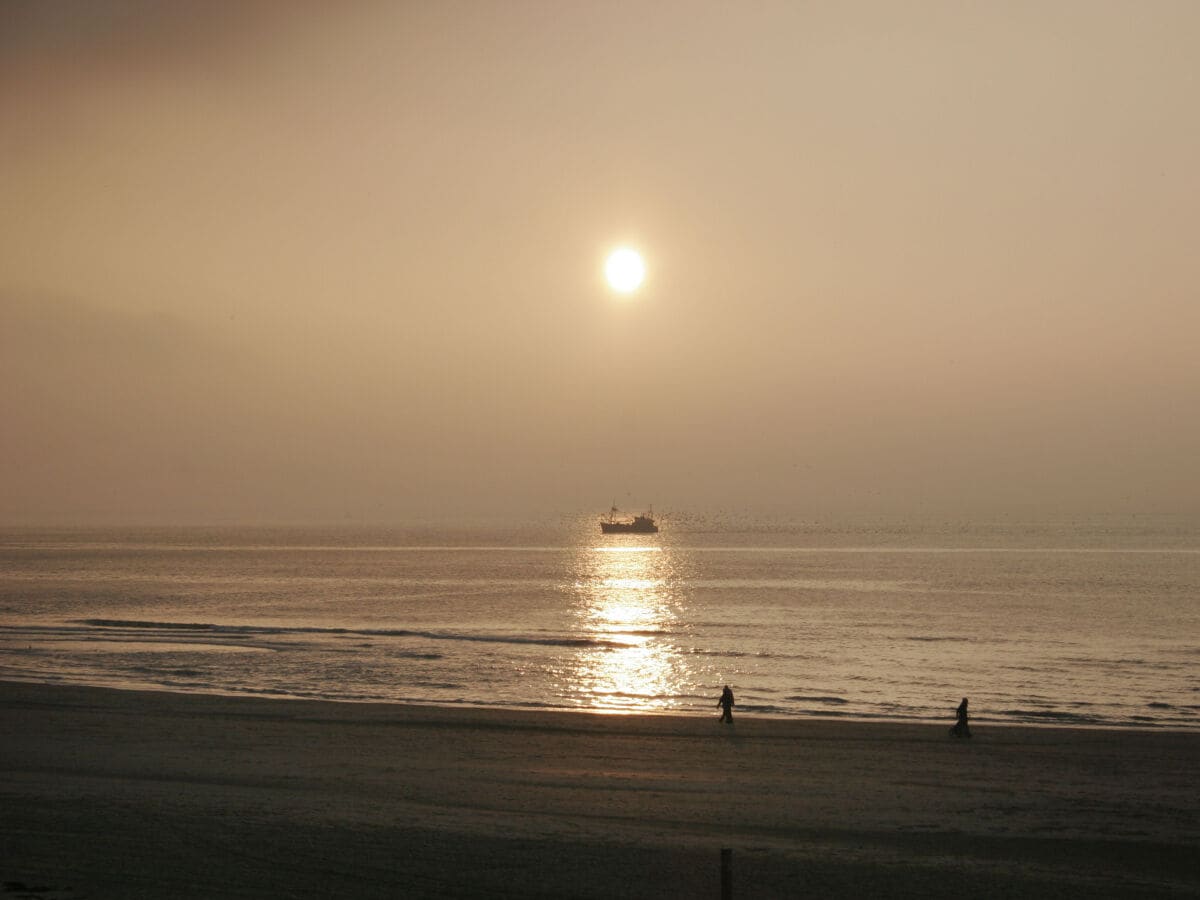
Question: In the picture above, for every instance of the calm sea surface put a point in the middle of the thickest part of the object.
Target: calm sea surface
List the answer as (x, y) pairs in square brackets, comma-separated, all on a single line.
[(1079, 624)]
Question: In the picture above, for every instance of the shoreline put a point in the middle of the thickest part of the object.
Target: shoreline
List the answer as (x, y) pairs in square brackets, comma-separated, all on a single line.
[(743, 712), (115, 793)]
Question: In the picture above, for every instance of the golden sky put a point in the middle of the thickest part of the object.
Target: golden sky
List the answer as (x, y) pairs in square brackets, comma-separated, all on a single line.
[(304, 262)]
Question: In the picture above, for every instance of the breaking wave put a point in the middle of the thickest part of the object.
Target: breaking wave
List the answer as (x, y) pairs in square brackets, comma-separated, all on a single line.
[(278, 630)]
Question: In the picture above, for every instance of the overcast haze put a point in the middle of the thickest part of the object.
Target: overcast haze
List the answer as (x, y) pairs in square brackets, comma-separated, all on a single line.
[(310, 262)]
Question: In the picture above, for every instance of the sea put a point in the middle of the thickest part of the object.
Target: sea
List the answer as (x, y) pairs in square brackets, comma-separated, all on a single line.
[(1076, 623)]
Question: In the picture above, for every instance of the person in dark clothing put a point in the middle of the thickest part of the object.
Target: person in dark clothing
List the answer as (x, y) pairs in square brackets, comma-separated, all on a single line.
[(726, 704), (961, 728)]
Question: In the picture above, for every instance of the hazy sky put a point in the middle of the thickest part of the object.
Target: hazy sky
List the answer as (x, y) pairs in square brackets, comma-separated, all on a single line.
[(302, 262)]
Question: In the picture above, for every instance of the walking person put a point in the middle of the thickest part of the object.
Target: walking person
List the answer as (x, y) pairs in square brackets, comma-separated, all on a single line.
[(726, 704), (961, 728)]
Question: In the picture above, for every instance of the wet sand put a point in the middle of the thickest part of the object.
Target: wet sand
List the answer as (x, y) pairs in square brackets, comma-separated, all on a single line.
[(127, 794)]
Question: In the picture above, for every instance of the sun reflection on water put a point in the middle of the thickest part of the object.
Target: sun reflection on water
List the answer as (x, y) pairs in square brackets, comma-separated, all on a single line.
[(628, 600)]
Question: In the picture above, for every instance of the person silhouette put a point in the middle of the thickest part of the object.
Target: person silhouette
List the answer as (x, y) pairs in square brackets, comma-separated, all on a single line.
[(726, 704), (961, 728)]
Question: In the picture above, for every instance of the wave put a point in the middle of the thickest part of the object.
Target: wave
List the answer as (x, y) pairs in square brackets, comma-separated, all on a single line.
[(1053, 715), (278, 630), (837, 701), (173, 673)]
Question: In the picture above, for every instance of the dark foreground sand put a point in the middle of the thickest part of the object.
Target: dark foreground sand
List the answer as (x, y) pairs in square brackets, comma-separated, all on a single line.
[(122, 794)]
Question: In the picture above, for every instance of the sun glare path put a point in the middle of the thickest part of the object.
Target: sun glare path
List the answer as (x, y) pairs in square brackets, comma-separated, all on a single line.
[(627, 597)]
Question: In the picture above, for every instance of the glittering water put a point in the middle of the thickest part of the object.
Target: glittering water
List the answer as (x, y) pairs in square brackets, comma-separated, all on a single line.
[(1081, 624)]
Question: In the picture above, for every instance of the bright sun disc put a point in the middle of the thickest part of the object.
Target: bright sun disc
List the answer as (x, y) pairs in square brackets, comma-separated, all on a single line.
[(624, 270)]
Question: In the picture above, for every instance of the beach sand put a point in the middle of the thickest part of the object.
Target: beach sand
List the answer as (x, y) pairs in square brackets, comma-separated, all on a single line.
[(108, 793)]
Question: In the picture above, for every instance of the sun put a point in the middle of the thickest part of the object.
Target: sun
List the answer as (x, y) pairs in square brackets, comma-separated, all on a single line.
[(624, 270)]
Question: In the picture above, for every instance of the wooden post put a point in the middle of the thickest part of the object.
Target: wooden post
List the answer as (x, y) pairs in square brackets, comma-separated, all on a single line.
[(726, 874)]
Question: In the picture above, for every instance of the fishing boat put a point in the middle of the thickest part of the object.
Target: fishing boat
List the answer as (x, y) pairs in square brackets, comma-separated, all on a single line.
[(643, 524)]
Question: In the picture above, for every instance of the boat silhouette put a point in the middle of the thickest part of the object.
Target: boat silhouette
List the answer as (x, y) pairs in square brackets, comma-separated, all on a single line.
[(643, 524)]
